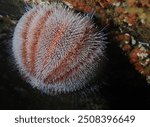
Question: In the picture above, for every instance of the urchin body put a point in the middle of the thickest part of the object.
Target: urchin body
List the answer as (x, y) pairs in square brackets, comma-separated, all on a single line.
[(57, 49)]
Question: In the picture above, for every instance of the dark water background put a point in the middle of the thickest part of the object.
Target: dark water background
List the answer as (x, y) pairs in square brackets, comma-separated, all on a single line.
[(118, 87)]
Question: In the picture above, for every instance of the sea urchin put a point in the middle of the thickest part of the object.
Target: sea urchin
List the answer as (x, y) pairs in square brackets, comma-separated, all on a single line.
[(57, 49)]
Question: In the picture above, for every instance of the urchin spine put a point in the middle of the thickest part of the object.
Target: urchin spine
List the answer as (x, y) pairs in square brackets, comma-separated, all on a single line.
[(57, 49)]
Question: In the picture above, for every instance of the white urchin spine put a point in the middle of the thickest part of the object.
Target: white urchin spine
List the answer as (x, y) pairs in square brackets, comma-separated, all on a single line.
[(57, 49)]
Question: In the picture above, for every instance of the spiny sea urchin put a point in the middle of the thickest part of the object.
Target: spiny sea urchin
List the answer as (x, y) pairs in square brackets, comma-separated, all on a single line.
[(57, 49)]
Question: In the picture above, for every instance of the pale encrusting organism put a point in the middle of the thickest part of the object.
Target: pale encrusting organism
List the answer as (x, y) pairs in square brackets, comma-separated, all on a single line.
[(57, 49)]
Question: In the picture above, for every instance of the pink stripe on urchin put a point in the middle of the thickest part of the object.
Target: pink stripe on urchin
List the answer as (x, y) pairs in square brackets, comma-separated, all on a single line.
[(59, 50), (34, 34), (24, 36), (51, 48)]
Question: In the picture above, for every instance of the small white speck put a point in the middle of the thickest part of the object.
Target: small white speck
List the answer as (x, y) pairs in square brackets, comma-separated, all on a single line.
[(117, 4), (126, 42), (129, 24), (133, 41), (142, 21), (125, 20), (127, 34)]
